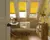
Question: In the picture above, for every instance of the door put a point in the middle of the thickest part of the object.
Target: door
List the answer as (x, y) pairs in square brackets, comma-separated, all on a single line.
[(3, 20)]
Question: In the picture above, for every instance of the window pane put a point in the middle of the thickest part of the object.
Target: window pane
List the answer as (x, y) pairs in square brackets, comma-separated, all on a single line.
[(22, 10), (12, 15), (22, 14), (33, 16), (33, 9), (12, 10)]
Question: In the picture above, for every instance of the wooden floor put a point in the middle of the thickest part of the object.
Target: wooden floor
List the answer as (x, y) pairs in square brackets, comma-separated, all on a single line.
[(25, 38)]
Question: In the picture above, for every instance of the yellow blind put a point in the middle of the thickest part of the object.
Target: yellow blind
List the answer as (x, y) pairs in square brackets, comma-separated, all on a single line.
[(22, 6), (33, 7), (12, 8)]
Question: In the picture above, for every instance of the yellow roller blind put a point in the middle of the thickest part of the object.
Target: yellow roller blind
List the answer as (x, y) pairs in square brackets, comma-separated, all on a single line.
[(22, 6), (33, 7), (12, 8)]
